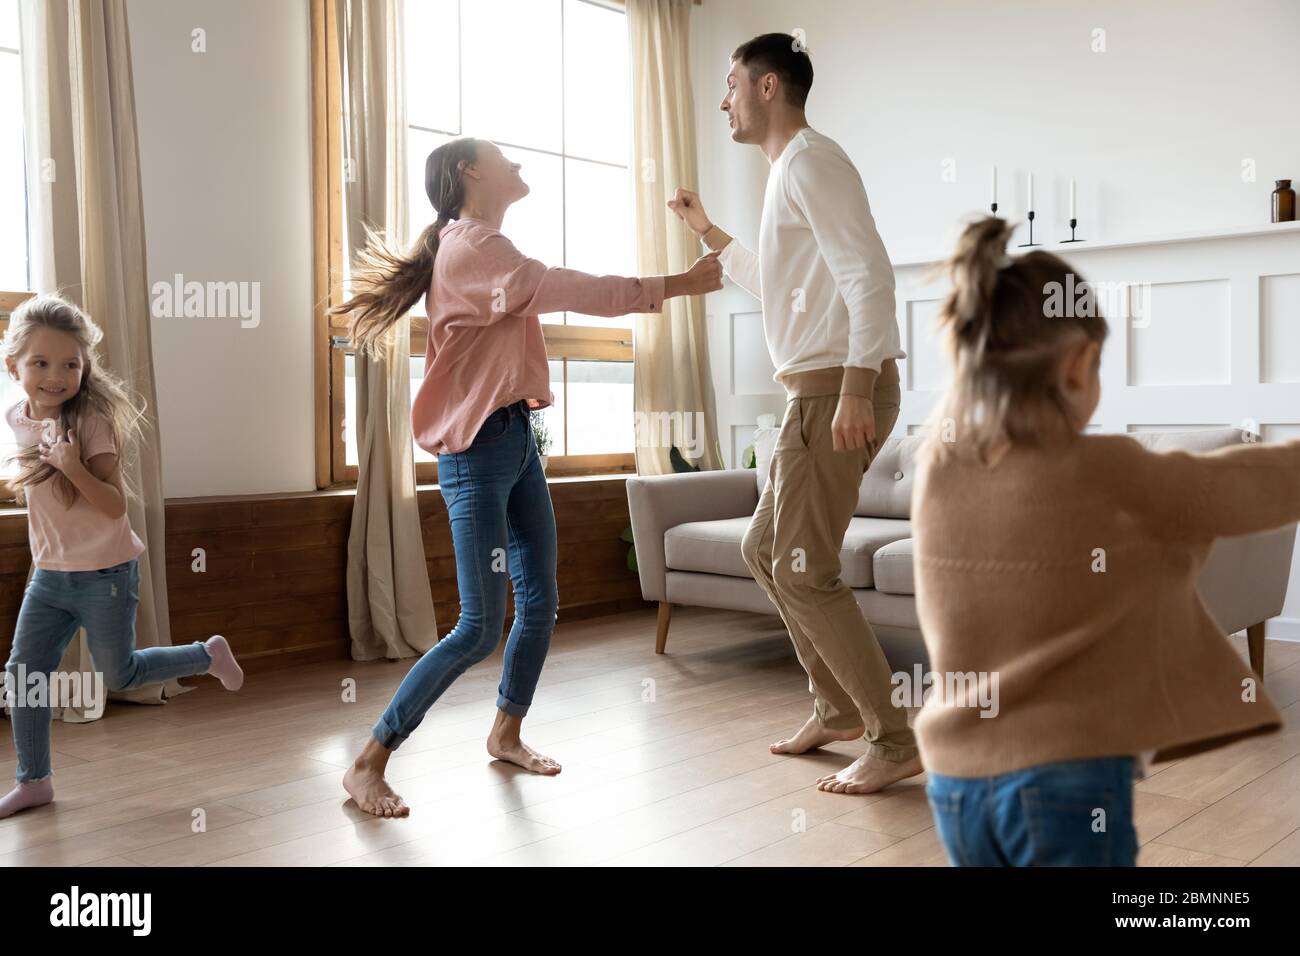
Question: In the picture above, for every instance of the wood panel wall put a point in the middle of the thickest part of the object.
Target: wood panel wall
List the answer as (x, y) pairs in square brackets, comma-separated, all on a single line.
[(276, 578)]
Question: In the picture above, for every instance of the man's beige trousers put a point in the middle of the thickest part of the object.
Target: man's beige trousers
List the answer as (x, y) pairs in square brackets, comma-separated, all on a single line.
[(793, 545)]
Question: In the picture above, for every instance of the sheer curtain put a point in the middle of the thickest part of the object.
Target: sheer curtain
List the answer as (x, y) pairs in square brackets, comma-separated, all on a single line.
[(390, 605), (86, 235), (671, 375)]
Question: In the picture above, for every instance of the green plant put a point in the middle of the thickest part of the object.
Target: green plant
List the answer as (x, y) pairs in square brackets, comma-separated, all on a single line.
[(748, 459), (631, 551), (679, 463), (541, 434)]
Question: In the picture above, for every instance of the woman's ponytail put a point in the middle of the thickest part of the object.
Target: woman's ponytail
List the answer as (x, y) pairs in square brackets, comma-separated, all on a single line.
[(386, 285), (386, 282)]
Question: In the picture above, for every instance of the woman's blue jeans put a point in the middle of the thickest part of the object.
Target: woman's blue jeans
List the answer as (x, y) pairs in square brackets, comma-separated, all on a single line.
[(1073, 813), (502, 524), (55, 605)]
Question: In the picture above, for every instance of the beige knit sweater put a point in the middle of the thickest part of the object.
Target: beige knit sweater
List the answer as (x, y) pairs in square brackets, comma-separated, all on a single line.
[(1088, 662)]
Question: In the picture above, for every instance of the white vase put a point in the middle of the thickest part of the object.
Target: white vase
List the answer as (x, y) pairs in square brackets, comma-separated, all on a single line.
[(543, 458)]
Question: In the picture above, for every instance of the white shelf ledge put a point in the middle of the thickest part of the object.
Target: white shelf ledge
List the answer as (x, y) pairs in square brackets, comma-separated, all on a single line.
[(1073, 248)]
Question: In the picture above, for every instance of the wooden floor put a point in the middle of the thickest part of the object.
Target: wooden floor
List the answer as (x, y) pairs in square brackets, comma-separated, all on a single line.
[(665, 762)]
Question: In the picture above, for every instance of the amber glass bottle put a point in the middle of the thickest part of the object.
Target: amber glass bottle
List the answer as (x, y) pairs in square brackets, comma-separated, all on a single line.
[(1283, 201)]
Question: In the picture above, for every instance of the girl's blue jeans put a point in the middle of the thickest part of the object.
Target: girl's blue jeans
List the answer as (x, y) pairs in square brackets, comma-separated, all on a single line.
[(502, 528), (1073, 813), (55, 605)]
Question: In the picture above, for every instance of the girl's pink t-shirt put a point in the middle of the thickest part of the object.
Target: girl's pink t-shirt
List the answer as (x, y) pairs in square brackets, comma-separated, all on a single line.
[(486, 347), (80, 537)]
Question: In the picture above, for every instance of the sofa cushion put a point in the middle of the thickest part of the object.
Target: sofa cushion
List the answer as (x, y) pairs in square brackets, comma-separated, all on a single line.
[(709, 546), (886, 489), (892, 568), (764, 442), (1194, 440), (713, 547)]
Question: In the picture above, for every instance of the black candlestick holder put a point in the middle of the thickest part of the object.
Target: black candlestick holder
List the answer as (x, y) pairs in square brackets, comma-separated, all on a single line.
[(993, 208), (1031, 233), (1073, 223)]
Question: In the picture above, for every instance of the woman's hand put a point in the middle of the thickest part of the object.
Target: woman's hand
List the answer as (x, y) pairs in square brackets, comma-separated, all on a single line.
[(704, 276)]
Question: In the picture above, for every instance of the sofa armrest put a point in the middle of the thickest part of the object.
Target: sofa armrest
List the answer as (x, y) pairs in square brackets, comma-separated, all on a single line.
[(659, 502), (1244, 580)]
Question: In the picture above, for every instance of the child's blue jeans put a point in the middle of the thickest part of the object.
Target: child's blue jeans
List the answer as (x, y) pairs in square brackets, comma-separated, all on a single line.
[(1074, 813), (55, 605), (503, 531)]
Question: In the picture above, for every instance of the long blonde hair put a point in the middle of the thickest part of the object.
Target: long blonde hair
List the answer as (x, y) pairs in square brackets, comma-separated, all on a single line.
[(1006, 344), (101, 395), (386, 282)]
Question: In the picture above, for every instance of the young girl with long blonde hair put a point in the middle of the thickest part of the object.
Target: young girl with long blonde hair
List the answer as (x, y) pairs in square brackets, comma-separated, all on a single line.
[(71, 431)]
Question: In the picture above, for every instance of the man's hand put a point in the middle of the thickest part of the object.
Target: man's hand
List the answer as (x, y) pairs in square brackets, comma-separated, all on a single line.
[(854, 425), (690, 210)]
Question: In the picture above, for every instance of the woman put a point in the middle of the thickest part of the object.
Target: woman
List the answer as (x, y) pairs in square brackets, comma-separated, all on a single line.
[(485, 367)]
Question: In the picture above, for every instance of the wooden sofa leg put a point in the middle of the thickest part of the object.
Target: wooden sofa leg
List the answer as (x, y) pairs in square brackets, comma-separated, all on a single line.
[(661, 635), (1255, 643)]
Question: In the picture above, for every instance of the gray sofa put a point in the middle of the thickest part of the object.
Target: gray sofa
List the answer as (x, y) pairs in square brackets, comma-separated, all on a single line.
[(688, 529)]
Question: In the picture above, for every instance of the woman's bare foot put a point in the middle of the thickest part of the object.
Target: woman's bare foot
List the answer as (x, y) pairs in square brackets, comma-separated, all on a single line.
[(24, 796), (503, 743), (811, 736), (869, 774), (365, 783)]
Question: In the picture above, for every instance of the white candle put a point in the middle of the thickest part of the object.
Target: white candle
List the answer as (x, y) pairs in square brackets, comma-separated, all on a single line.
[(993, 187), (1031, 192), (1072, 199)]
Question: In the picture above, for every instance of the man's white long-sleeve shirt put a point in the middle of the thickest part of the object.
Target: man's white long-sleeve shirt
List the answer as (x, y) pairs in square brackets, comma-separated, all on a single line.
[(821, 272)]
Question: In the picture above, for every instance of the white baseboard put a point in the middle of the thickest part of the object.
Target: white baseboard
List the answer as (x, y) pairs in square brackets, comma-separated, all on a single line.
[(1283, 629)]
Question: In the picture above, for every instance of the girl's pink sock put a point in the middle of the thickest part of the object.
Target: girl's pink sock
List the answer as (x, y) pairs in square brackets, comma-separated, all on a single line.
[(34, 793), (224, 667)]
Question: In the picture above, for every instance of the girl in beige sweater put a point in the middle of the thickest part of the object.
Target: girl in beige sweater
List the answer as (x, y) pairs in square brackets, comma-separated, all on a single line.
[(1059, 568)]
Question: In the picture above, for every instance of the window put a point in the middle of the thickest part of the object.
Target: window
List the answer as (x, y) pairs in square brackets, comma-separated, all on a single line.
[(13, 187), (13, 192), (547, 81)]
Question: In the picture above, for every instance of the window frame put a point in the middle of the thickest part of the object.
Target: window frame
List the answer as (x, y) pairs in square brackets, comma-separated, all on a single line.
[(330, 335), (11, 299)]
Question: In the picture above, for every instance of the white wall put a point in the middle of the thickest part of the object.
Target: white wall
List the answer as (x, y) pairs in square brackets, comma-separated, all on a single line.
[(1155, 129), (1219, 345), (225, 156)]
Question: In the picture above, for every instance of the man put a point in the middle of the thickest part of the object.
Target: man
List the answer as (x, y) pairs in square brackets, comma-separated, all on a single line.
[(827, 289)]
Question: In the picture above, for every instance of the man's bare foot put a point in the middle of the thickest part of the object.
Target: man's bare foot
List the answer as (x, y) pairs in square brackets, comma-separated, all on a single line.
[(869, 774), (519, 753), (811, 736), (503, 743), (365, 782)]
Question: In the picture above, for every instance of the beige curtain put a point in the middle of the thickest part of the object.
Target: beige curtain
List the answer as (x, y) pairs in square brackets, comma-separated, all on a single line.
[(86, 216), (672, 385), (390, 607)]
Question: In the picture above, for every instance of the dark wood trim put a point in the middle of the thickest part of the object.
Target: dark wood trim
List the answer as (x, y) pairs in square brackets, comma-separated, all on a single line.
[(275, 582), (1255, 647), (327, 233)]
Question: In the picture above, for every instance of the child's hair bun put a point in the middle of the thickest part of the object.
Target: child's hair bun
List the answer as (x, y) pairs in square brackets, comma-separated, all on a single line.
[(980, 254)]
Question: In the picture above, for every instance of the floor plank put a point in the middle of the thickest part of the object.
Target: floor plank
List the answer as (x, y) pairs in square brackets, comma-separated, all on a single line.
[(665, 763)]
